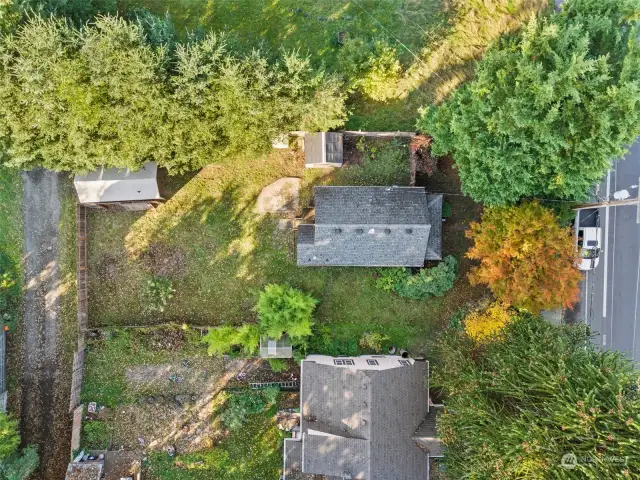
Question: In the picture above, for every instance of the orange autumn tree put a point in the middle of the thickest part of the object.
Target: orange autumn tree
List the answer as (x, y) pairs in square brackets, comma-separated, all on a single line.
[(526, 258)]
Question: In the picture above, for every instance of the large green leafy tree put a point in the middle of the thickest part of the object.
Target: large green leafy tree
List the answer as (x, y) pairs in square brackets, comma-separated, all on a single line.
[(549, 108), (517, 405), (120, 93)]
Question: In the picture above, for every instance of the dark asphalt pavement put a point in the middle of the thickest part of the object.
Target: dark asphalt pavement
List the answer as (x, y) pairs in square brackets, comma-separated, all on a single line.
[(609, 295)]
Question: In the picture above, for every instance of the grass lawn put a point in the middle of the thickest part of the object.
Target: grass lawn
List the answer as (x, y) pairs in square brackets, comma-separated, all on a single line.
[(220, 254), (11, 251), (437, 40)]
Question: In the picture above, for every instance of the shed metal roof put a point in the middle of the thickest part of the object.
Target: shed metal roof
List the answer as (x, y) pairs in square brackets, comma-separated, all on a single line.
[(323, 149), (106, 185)]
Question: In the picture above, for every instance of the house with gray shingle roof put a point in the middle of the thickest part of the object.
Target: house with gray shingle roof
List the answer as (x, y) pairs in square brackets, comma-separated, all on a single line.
[(372, 227), (363, 418)]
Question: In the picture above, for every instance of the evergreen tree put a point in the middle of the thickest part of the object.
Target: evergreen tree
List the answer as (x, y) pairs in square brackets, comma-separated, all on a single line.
[(517, 405), (549, 108), (120, 93), (74, 100)]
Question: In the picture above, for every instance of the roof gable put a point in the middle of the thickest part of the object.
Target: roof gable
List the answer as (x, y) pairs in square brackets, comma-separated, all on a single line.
[(389, 405), (370, 205)]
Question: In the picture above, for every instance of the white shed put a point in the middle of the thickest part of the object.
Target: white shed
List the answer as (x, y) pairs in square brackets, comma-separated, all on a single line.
[(323, 149), (132, 190)]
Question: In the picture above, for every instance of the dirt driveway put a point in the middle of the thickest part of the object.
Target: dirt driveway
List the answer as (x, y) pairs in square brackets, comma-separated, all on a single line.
[(44, 416)]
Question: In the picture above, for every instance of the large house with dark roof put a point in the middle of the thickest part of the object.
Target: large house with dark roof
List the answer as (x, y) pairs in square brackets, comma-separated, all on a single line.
[(372, 227), (363, 418)]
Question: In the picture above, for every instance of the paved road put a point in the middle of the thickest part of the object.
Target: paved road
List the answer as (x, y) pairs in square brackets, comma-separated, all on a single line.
[(610, 293), (41, 414)]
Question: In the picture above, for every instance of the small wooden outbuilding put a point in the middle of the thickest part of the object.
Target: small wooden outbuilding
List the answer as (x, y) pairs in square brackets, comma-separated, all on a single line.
[(123, 189), (323, 149)]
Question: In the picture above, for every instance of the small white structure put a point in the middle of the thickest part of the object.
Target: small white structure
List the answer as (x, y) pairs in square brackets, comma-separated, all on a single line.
[(128, 189), (276, 348), (323, 149)]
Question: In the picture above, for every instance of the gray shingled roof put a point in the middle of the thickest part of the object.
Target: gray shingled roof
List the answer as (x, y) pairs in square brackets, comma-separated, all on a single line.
[(434, 245), (373, 415), (370, 205), (372, 226)]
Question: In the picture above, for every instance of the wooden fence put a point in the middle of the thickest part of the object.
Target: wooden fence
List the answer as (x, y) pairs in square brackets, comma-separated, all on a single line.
[(77, 377)]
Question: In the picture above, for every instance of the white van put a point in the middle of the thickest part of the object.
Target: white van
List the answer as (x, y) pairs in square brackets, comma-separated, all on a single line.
[(589, 241)]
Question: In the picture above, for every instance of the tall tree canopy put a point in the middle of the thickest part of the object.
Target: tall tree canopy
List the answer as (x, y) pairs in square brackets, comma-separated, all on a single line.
[(519, 404), (74, 99), (526, 258), (549, 108)]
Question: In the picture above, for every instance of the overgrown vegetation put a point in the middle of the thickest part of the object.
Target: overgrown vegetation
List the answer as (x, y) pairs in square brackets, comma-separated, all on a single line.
[(383, 163), (250, 402), (549, 108), (518, 405), (15, 464), (10, 246), (487, 321), (70, 103), (96, 435), (428, 282), (526, 258)]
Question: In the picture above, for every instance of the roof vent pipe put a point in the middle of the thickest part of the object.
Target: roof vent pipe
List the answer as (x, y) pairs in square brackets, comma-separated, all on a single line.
[(403, 353)]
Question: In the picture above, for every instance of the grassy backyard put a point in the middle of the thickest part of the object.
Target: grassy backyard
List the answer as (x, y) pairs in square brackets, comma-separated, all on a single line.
[(219, 253), (437, 41)]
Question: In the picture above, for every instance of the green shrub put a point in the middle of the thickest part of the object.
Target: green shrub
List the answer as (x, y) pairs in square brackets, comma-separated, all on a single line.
[(372, 68), (221, 340), (388, 278), (447, 210), (155, 293), (277, 365), (271, 395), (240, 406), (324, 341), (428, 282), (20, 467), (9, 436), (373, 341), (96, 435), (284, 309)]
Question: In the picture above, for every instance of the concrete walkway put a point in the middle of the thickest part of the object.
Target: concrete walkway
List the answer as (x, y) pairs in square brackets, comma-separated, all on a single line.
[(41, 324)]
